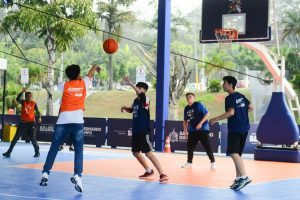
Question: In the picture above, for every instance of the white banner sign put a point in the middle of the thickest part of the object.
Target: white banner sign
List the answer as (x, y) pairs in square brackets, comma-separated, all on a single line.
[(140, 74), (24, 76), (3, 63)]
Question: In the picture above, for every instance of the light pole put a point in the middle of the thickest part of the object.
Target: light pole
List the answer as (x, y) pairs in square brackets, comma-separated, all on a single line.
[(3, 66)]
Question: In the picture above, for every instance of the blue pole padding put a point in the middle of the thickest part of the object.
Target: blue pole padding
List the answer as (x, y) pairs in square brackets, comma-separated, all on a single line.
[(163, 71)]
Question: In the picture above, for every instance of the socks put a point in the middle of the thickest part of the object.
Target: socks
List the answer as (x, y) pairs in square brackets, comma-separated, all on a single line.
[(148, 170)]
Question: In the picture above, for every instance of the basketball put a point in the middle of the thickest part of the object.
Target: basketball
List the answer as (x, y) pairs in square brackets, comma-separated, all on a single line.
[(110, 46)]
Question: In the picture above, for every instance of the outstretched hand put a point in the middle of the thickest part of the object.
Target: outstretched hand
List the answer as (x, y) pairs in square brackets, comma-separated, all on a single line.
[(126, 80)]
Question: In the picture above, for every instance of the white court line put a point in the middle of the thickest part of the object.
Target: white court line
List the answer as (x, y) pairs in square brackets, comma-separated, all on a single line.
[(27, 197)]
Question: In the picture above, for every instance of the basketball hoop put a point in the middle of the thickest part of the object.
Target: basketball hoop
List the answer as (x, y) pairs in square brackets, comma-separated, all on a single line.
[(225, 37)]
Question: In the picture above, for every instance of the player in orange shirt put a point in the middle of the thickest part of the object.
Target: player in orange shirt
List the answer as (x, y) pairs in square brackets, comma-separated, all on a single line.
[(27, 124), (70, 122)]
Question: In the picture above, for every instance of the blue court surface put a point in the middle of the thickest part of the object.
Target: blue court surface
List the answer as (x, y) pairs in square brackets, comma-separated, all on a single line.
[(19, 182)]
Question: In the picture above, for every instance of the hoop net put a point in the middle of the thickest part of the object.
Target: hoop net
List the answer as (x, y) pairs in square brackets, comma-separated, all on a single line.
[(225, 37)]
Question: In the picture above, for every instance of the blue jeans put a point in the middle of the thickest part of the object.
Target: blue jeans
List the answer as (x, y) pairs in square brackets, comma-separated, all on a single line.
[(61, 132)]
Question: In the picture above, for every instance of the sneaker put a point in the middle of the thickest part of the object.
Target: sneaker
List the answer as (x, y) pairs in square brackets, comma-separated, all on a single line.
[(213, 165), (37, 154), (242, 182), (186, 165), (6, 154), (147, 174), (61, 147), (163, 178), (234, 184), (71, 148), (78, 183), (44, 180)]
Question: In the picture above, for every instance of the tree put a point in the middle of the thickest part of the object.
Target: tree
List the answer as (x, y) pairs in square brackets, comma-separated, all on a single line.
[(291, 26), (57, 33), (113, 14)]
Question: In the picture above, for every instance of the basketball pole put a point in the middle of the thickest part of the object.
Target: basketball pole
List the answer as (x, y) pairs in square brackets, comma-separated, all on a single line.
[(276, 28)]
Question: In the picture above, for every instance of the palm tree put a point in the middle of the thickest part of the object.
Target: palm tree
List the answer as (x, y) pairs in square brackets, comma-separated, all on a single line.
[(114, 15), (291, 26)]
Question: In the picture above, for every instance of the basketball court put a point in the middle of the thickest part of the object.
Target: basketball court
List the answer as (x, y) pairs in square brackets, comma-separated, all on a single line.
[(113, 174)]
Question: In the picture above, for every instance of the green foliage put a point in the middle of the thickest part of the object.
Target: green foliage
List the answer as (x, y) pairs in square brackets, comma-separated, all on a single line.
[(291, 24), (296, 81), (292, 60), (214, 86), (246, 58), (217, 57), (62, 32), (103, 75)]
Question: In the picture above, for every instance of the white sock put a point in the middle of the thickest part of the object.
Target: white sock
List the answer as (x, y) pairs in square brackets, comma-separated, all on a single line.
[(148, 170), (243, 177)]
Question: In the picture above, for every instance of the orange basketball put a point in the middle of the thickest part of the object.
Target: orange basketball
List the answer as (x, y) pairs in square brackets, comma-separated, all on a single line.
[(110, 46)]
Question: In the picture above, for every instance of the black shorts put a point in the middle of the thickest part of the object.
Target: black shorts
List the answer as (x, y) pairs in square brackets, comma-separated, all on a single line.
[(141, 143), (236, 142)]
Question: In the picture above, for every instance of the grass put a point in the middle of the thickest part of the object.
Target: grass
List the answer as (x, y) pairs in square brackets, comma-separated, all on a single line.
[(107, 104)]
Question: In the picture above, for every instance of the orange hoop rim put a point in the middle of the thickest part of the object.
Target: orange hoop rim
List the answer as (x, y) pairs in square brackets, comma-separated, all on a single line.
[(232, 33)]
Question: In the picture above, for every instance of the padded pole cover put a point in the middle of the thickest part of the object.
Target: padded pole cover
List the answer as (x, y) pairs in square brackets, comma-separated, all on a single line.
[(277, 126)]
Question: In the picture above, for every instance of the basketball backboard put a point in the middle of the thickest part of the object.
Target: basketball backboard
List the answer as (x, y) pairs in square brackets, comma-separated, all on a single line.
[(249, 17)]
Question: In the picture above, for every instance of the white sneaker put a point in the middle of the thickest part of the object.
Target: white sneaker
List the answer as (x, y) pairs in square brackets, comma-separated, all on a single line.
[(186, 165), (78, 183), (44, 179), (213, 165)]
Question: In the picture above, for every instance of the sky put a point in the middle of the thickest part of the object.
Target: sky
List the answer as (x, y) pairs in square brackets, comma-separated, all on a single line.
[(145, 11)]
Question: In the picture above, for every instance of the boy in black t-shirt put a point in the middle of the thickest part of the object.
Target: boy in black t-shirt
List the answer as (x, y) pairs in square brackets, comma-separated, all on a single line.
[(141, 130), (237, 107)]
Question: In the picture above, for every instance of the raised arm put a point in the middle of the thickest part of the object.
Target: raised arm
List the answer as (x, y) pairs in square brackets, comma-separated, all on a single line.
[(128, 82), (91, 72), (18, 99)]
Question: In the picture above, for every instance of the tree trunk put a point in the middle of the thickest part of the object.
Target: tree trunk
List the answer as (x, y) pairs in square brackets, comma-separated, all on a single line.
[(173, 111), (50, 74), (111, 73)]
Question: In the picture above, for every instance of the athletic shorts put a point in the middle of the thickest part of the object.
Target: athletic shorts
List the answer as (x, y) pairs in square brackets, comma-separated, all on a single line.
[(236, 142), (141, 143)]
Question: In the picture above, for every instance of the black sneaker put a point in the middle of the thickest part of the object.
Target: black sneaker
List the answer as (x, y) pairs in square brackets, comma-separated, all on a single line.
[(163, 178), (147, 174), (37, 154), (44, 180), (234, 184), (71, 148), (61, 147), (6, 154), (242, 182)]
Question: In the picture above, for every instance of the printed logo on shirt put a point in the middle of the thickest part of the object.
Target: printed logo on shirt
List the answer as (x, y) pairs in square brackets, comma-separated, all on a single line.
[(240, 103), (28, 108), (190, 113), (135, 111)]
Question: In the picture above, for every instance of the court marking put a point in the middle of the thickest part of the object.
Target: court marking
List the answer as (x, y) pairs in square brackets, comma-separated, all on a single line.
[(27, 197)]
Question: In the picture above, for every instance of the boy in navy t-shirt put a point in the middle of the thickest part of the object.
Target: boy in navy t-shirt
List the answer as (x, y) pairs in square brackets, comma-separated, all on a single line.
[(196, 128), (237, 107), (141, 130)]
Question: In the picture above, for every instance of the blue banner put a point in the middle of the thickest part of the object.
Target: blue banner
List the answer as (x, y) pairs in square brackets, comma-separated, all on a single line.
[(120, 132), (94, 131), (251, 142), (178, 141)]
